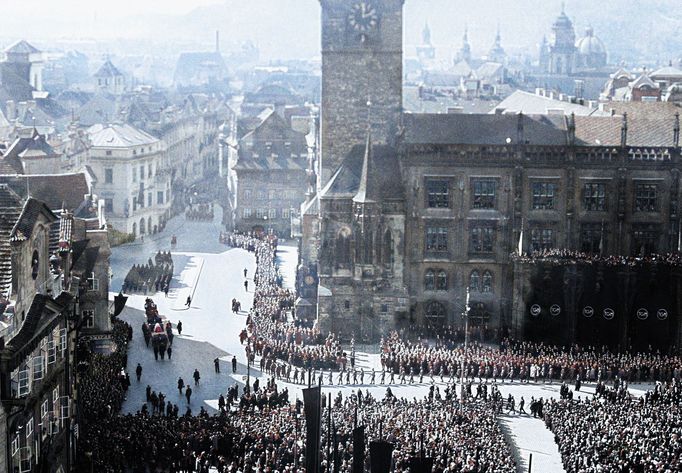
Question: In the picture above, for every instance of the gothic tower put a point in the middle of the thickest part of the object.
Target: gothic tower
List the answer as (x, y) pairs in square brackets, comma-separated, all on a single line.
[(361, 60)]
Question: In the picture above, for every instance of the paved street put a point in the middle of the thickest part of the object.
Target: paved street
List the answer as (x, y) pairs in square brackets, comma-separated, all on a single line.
[(213, 274)]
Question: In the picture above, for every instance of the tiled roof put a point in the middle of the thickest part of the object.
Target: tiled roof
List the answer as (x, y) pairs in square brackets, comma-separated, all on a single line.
[(644, 109), (119, 136), (477, 129), (33, 208), (345, 182), (534, 104), (10, 209), (108, 70), (21, 47), (56, 190), (641, 132)]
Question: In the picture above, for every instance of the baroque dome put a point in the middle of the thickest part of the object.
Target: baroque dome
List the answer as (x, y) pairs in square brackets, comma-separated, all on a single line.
[(590, 44)]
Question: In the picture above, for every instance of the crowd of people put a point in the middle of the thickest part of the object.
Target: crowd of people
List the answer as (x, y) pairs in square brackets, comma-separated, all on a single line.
[(616, 432), (154, 276), (564, 256), (524, 361)]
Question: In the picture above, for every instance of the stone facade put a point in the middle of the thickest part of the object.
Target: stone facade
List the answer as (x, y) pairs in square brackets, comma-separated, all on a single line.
[(359, 66), (458, 194)]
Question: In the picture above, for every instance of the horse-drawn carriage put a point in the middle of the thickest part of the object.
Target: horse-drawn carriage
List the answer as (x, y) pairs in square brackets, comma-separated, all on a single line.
[(157, 328)]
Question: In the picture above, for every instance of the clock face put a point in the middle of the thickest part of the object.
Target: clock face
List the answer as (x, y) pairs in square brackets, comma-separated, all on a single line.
[(363, 17)]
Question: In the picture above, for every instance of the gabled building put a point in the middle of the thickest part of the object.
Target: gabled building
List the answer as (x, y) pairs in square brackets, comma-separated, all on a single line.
[(109, 79), (271, 176)]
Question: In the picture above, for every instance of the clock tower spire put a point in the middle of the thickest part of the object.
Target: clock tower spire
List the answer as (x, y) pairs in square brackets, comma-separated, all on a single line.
[(362, 56)]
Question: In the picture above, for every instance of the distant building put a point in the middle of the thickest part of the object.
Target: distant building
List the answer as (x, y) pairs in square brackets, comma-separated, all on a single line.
[(497, 53), (26, 62), (30, 155), (109, 79), (562, 49), (132, 177), (464, 52), (426, 52), (271, 176), (201, 69), (591, 52)]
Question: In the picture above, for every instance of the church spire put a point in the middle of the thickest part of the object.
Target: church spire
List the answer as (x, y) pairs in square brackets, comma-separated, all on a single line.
[(367, 190)]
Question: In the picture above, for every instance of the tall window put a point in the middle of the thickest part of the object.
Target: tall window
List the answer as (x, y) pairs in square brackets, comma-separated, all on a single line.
[(487, 282), (442, 281), (438, 193), (646, 198), (593, 238), (272, 213), (435, 313), (343, 249), (594, 197), (247, 213), (481, 239), (387, 250), (645, 240), (543, 195), (159, 197), (108, 176), (429, 280), (247, 195), (484, 194), (474, 281), (142, 172), (109, 206), (436, 239), (541, 239)]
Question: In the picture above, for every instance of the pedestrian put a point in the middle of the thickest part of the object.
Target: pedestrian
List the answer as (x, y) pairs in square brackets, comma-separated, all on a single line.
[(234, 364), (156, 351), (165, 289), (197, 377), (245, 273), (189, 301), (181, 384), (216, 365), (179, 327), (246, 285), (148, 391), (188, 394), (138, 372), (221, 403), (169, 351)]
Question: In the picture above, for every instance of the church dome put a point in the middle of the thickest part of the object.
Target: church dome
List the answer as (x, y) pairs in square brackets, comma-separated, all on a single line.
[(590, 44)]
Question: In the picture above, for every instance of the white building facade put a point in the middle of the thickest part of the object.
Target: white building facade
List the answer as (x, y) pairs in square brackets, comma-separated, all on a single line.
[(133, 178)]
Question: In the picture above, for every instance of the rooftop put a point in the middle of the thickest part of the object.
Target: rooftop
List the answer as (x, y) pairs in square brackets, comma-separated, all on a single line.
[(119, 136)]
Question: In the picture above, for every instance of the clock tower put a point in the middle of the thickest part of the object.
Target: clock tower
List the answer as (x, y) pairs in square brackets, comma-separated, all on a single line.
[(362, 61)]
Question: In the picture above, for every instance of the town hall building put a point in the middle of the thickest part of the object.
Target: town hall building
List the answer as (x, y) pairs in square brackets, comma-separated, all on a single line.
[(415, 211)]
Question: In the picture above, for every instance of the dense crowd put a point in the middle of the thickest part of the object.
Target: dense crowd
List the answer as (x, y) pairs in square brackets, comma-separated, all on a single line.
[(272, 330), (618, 433), (525, 361), (564, 256), (154, 276)]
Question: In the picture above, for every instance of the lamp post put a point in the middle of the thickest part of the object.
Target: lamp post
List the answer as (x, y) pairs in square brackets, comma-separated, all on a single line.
[(465, 314)]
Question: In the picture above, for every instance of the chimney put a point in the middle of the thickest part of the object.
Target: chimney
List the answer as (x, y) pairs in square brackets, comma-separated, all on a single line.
[(676, 130), (624, 131), (217, 41), (519, 129), (571, 129)]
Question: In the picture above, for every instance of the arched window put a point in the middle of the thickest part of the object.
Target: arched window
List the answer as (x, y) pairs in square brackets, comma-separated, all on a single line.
[(474, 281), (387, 252), (442, 280), (142, 227), (429, 280), (149, 225), (487, 283), (435, 313), (343, 249)]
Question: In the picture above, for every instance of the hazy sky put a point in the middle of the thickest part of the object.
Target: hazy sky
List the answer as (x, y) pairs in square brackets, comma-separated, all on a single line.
[(86, 9)]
